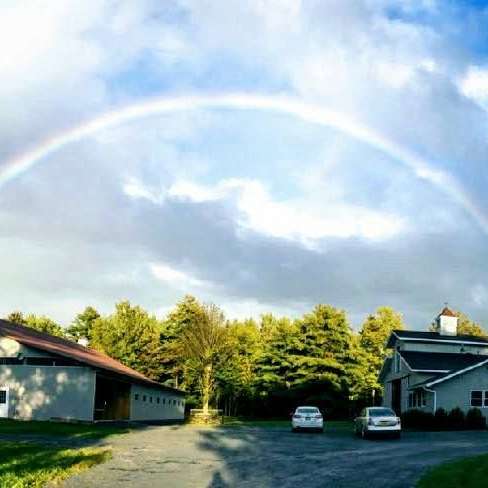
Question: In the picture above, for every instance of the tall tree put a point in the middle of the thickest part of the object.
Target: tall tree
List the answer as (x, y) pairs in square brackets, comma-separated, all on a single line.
[(202, 341), (236, 368), (187, 313), (326, 346), (277, 364), (81, 327), (131, 336), (372, 339)]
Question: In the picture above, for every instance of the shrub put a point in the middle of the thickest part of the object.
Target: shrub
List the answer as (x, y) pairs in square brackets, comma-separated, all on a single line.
[(417, 419), (441, 420), (456, 419), (475, 419)]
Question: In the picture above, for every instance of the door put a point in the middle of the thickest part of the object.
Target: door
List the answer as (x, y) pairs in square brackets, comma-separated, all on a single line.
[(4, 394), (396, 396)]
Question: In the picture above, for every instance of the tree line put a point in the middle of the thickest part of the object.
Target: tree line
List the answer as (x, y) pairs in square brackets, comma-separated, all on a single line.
[(246, 367)]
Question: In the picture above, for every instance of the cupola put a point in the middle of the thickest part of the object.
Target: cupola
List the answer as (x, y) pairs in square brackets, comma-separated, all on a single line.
[(446, 322)]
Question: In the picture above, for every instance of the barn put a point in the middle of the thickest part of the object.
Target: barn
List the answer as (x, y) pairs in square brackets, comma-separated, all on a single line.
[(43, 377)]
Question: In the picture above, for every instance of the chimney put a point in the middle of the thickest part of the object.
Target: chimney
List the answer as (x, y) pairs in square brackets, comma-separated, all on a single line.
[(446, 322)]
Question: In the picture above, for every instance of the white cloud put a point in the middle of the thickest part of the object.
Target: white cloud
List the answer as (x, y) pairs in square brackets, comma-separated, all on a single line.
[(474, 84), (177, 278), (295, 220)]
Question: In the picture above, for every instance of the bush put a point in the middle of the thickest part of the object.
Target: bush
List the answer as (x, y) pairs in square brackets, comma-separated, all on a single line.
[(456, 419), (417, 419), (475, 419), (441, 420)]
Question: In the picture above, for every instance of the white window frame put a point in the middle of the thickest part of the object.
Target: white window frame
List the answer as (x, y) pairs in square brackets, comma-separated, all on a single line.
[(417, 399), (398, 360), (484, 399)]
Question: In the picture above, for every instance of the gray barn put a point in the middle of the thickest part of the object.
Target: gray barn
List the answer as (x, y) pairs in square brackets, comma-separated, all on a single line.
[(440, 369), (43, 377)]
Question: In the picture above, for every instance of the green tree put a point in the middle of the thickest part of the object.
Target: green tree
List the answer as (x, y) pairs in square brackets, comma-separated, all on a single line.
[(277, 364), (187, 313), (236, 368), (325, 338), (373, 336), (466, 326), (81, 327), (131, 336), (202, 341), (16, 317), (37, 322)]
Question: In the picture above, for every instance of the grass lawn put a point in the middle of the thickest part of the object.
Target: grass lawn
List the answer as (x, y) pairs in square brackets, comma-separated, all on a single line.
[(466, 473), (25, 465), (284, 423), (84, 431)]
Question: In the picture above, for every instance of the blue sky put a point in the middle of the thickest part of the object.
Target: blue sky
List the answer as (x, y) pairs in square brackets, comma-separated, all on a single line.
[(251, 209)]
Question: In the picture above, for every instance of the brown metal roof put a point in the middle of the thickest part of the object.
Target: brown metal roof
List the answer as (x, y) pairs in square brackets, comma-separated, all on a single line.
[(63, 347)]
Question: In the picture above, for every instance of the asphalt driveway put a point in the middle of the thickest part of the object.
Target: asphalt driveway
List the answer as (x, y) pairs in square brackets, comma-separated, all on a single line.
[(186, 456)]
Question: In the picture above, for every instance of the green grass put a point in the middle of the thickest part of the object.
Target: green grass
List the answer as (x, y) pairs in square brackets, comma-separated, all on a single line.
[(83, 431), (466, 473), (25, 465), (285, 423)]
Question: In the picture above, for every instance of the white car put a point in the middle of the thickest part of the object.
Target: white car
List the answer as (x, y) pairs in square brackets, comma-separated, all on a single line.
[(377, 420), (307, 418)]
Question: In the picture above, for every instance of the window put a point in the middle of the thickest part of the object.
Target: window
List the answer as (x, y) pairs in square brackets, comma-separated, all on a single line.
[(397, 362), (157, 400), (164, 401), (136, 396), (417, 399), (479, 398), (3, 397), (144, 398), (11, 361), (150, 399)]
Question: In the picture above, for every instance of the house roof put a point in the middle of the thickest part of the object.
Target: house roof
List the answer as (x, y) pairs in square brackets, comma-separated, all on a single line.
[(63, 347), (446, 311), (421, 336), (451, 374), (440, 362)]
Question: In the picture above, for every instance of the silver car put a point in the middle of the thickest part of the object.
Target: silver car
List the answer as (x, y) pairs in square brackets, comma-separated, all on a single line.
[(377, 420), (307, 418)]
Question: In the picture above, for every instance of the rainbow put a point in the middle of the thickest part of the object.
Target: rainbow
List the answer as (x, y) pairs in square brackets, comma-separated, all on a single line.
[(306, 112)]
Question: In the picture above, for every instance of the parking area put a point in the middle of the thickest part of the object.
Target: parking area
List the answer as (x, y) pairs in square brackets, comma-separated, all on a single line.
[(186, 456)]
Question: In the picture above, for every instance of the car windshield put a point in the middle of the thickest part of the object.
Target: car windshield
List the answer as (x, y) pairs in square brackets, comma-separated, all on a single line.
[(307, 410), (382, 412)]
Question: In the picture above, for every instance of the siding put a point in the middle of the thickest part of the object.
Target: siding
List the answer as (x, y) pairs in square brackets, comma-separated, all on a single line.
[(456, 392), (166, 409), (46, 392)]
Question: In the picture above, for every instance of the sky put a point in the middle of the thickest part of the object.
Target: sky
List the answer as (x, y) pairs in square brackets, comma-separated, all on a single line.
[(308, 152)]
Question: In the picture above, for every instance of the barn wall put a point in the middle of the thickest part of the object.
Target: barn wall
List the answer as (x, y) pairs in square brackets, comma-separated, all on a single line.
[(49, 392), (155, 404)]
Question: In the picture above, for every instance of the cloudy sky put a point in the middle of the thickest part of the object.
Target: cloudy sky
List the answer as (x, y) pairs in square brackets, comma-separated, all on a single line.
[(353, 170)]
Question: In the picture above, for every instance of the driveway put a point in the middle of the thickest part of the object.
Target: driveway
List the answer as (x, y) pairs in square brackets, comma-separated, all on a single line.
[(186, 456)]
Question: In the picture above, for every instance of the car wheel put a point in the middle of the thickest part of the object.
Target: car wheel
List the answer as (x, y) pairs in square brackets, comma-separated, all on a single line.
[(398, 435), (364, 433), (294, 430)]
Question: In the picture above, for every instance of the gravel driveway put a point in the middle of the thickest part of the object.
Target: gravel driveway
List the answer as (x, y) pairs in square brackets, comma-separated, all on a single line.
[(185, 456)]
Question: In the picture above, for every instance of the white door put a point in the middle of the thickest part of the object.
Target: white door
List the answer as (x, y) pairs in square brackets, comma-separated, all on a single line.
[(4, 401)]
